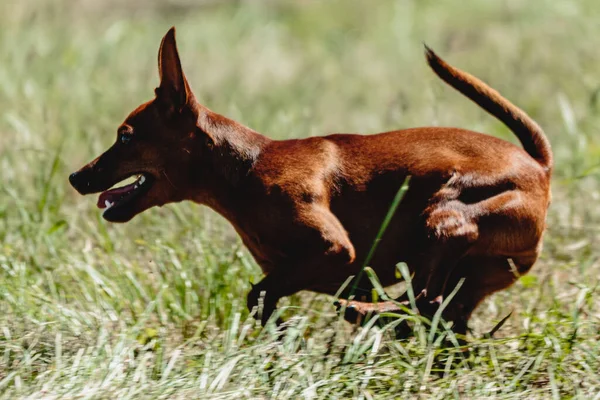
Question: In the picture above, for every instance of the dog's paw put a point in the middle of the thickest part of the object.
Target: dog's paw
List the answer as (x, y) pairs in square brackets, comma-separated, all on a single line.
[(357, 312), (447, 223)]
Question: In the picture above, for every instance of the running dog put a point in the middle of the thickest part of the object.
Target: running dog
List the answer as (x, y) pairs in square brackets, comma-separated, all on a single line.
[(308, 210)]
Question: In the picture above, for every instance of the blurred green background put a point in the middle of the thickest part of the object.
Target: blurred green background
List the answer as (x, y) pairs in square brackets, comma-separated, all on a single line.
[(156, 307)]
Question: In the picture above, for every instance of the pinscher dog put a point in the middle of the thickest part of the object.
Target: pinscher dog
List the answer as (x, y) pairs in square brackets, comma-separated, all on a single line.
[(308, 210)]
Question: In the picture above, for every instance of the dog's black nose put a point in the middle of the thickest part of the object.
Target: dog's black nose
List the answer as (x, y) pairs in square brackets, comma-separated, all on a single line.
[(78, 181), (72, 178)]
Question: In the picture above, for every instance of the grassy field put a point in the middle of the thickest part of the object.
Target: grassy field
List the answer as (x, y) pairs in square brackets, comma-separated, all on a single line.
[(156, 308)]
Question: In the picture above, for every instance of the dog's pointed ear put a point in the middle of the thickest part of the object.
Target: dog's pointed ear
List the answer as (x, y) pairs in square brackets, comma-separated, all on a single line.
[(174, 88)]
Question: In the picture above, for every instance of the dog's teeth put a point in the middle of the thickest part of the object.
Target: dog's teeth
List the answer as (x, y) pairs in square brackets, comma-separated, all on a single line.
[(135, 186), (142, 179), (108, 204)]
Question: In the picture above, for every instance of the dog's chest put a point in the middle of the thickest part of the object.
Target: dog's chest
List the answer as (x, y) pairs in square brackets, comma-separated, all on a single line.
[(267, 256)]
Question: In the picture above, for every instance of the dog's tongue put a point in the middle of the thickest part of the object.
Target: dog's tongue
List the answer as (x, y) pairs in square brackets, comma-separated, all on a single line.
[(113, 195)]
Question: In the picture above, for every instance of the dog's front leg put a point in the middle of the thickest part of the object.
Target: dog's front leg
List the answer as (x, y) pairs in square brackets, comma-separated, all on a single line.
[(322, 251), (264, 295), (288, 280)]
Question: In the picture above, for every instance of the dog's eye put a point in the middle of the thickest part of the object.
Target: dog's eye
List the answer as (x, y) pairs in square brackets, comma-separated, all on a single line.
[(125, 138)]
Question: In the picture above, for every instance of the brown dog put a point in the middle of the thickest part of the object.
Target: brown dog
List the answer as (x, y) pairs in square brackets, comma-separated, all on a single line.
[(308, 210)]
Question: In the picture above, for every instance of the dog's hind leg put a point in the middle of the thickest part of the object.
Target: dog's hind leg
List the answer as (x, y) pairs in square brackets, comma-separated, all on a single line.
[(452, 233), (483, 276), (451, 230), (498, 222)]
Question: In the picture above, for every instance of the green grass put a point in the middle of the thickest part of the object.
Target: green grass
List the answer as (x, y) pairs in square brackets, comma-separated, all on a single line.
[(156, 308)]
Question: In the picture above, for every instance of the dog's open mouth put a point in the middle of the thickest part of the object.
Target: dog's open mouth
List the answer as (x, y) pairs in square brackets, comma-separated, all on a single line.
[(114, 199)]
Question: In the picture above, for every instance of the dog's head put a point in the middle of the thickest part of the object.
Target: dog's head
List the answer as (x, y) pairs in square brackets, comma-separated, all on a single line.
[(153, 144)]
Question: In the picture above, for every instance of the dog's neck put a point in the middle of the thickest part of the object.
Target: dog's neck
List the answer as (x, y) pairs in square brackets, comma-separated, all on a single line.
[(233, 140), (233, 151)]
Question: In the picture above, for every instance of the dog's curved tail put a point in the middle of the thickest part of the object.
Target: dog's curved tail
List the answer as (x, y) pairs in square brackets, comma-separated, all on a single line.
[(532, 137)]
